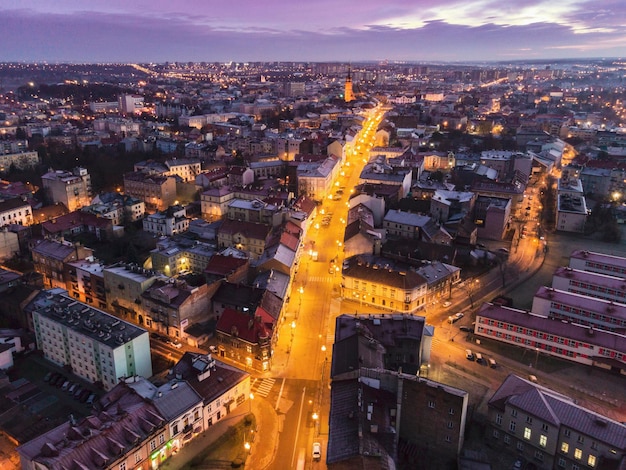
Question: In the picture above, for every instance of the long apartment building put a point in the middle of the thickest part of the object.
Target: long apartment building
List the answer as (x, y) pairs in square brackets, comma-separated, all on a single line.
[(560, 339), (97, 346), (581, 309), (600, 263)]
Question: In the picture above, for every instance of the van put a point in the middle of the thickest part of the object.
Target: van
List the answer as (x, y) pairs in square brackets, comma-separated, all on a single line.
[(479, 358), (469, 354), (492, 363)]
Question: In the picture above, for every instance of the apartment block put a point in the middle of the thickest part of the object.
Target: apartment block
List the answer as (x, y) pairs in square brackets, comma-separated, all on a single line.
[(72, 189), (97, 346)]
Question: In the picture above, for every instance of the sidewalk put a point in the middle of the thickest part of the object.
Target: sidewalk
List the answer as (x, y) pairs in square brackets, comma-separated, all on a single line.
[(263, 448)]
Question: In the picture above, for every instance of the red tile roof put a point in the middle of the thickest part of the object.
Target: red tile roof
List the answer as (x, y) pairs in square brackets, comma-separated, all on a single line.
[(245, 326)]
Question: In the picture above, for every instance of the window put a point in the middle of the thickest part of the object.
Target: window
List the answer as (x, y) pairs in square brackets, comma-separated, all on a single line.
[(506, 439), (175, 429), (431, 404), (543, 440), (514, 413), (448, 439), (451, 411), (581, 439), (575, 467), (594, 445), (527, 433), (496, 434), (137, 457), (544, 427), (520, 446), (152, 445), (512, 426), (122, 466), (567, 433), (529, 420), (161, 438), (564, 447), (450, 425), (591, 461), (578, 454), (539, 455), (561, 462), (499, 419)]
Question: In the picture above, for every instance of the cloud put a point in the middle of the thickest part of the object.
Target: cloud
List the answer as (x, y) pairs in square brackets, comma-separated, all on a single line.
[(119, 31)]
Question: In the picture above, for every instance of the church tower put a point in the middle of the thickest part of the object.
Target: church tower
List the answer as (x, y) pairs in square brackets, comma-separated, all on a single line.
[(348, 93)]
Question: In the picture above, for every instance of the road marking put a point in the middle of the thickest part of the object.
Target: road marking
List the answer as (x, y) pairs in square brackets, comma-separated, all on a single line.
[(264, 389)]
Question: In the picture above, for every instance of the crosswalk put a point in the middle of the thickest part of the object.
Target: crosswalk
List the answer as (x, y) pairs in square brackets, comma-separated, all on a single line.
[(328, 279), (263, 388)]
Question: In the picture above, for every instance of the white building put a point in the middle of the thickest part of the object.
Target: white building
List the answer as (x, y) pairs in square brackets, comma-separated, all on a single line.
[(171, 222), (15, 211), (20, 160), (130, 104), (97, 346)]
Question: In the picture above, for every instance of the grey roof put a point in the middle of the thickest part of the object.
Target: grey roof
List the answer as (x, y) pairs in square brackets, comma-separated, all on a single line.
[(559, 410)]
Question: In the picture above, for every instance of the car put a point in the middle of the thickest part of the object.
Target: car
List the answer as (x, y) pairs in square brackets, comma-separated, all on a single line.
[(469, 355), (78, 391), (456, 317), (59, 383), (447, 303), (91, 398), (503, 250), (467, 329), (53, 378), (317, 451), (176, 344), (72, 388), (479, 358), (47, 377), (83, 395)]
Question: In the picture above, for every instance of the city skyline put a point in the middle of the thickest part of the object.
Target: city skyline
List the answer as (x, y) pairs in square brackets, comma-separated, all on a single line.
[(191, 30)]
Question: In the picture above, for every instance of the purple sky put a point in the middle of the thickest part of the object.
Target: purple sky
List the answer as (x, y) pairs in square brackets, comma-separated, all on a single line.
[(320, 30)]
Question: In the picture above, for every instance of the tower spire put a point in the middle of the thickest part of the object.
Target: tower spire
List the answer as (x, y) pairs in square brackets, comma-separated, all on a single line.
[(348, 93)]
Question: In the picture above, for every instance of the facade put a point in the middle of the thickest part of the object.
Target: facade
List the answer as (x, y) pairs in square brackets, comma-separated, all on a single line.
[(158, 192), (215, 202), (563, 340), (72, 189), (315, 179), (124, 284), (402, 224), (245, 236), (97, 346), (170, 306), (492, 216), (255, 211), (130, 104), (50, 256), (171, 257), (445, 204), (170, 222), (85, 282), (379, 283), (551, 430), (15, 211), (571, 209), (19, 160)]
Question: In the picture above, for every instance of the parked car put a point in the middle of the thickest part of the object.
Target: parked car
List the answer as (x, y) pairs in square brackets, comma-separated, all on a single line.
[(213, 349), (176, 344), (447, 303), (467, 329), (47, 377), (78, 391), (72, 388), (53, 378), (469, 354), (61, 381), (84, 395), (91, 398)]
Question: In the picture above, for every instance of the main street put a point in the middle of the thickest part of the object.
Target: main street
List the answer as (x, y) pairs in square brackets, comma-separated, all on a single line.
[(303, 352)]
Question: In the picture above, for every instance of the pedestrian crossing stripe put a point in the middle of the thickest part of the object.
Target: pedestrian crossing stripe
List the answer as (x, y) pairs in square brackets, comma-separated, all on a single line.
[(265, 387)]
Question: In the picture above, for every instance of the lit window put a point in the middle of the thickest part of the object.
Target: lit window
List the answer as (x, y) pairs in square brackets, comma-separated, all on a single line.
[(578, 454), (527, 433), (543, 441), (591, 461), (564, 447)]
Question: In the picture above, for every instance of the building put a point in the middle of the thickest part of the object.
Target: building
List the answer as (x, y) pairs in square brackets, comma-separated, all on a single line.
[(170, 222), (50, 257), (124, 283), (124, 431), (379, 282), (223, 388), (492, 216), (551, 430), (72, 189), (158, 192), (175, 256), (564, 340), (18, 160), (130, 104), (245, 236), (600, 263), (402, 224), (581, 309), (571, 208), (348, 93), (85, 282), (393, 415), (15, 211), (97, 346), (315, 179), (605, 287), (444, 204), (171, 306)]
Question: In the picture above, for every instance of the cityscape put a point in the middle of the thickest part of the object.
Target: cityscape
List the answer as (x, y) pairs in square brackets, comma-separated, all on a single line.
[(325, 264)]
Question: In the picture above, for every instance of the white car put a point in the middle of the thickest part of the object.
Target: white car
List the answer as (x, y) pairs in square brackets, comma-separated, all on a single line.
[(317, 451), (456, 317), (447, 303)]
